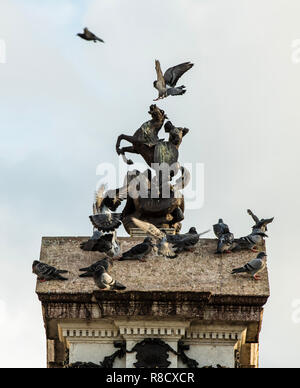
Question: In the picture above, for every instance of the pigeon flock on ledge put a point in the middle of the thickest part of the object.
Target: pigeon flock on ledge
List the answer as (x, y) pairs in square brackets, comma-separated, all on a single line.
[(165, 213)]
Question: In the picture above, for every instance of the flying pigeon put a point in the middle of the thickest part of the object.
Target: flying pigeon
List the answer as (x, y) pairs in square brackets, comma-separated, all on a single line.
[(253, 267), (104, 281), (106, 243), (89, 271), (139, 251), (188, 240), (46, 272), (88, 35), (162, 247), (166, 83), (103, 219)]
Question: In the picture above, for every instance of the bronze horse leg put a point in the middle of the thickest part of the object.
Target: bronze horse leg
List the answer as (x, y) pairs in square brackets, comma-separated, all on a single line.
[(129, 150), (121, 151), (130, 139)]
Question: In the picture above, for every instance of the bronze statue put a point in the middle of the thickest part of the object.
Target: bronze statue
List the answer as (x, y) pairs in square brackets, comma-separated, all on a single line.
[(150, 198), (146, 142), (145, 138), (162, 211)]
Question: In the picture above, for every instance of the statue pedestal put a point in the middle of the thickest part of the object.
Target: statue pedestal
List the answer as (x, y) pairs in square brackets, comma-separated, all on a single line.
[(175, 313)]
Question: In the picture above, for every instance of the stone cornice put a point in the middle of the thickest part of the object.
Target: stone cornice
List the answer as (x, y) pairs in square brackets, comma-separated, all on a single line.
[(196, 298), (89, 311), (108, 331)]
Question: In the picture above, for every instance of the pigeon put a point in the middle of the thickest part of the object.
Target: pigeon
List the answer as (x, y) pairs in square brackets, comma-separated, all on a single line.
[(106, 243), (106, 222), (139, 251), (166, 83), (225, 238), (226, 243), (103, 219), (256, 237), (89, 271), (260, 224), (46, 272), (88, 35), (163, 247), (251, 241), (104, 281), (220, 228), (253, 267), (187, 241), (96, 242)]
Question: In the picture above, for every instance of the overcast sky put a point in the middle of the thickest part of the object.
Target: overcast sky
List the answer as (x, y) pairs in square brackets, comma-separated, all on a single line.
[(64, 101)]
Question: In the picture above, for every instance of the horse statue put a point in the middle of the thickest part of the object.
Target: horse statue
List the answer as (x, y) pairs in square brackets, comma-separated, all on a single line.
[(146, 142), (155, 199)]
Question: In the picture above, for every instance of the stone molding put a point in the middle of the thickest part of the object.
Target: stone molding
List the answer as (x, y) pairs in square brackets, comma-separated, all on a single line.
[(110, 331), (91, 311)]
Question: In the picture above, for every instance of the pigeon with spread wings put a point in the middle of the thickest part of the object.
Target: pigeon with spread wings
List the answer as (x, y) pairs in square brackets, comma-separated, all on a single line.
[(88, 35), (162, 247), (166, 83), (256, 237), (105, 203)]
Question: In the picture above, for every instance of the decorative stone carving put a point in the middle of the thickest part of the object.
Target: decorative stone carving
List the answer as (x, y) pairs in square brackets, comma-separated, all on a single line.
[(152, 353)]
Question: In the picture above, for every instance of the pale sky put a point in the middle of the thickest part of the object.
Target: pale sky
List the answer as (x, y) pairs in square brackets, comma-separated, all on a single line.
[(64, 101)]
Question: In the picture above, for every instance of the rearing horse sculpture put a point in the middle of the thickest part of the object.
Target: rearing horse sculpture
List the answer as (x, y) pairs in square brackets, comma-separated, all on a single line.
[(145, 138), (156, 151)]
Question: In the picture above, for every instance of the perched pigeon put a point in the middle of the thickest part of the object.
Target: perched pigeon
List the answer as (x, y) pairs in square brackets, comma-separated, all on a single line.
[(103, 219), (104, 281), (97, 242), (225, 237), (89, 271), (46, 272), (226, 243), (220, 228), (88, 35), (139, 252), (253, 267), (251, 241), (256, 237), (166, 83), (187, 241), (106, 243)]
